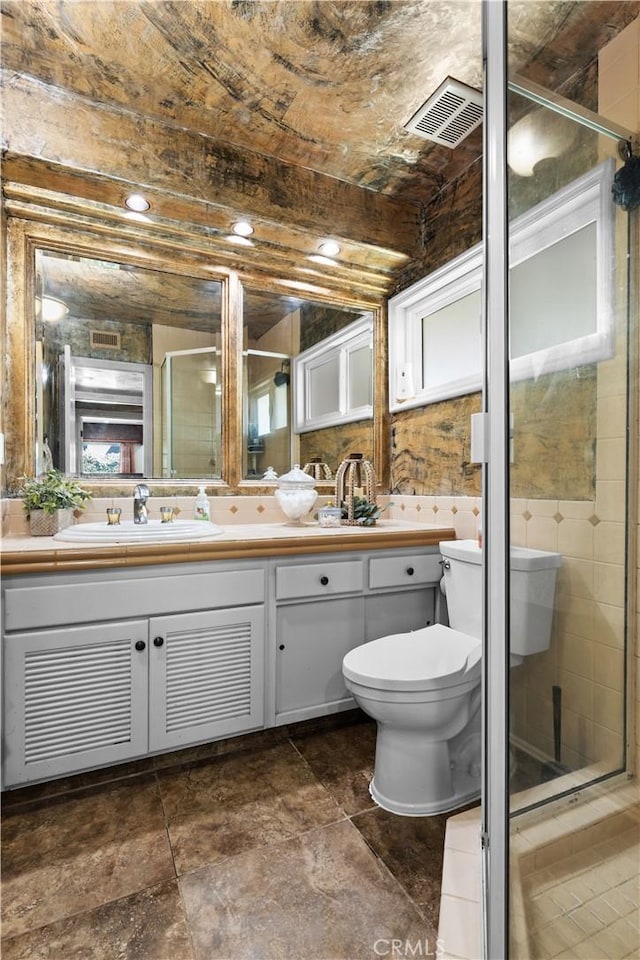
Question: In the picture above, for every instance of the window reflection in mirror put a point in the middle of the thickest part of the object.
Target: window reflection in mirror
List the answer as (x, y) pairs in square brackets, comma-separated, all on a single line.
[(276, 329), (128, 376)]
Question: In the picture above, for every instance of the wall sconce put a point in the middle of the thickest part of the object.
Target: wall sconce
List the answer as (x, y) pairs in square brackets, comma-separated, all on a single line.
[(540, 135), (51, 309)]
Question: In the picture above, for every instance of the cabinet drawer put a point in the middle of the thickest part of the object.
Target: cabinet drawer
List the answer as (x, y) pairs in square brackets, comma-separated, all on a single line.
[(319, 579), (33, 607), (404, 571)]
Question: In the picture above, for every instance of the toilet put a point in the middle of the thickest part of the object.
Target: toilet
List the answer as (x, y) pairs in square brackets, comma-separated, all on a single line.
[(423, 687)]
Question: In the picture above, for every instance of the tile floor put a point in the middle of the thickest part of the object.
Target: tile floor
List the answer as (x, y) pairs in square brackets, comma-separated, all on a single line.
[(260, 847), (585, 906)]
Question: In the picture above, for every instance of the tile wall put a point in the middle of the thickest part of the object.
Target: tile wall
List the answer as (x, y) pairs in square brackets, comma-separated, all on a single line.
[(224, 510), (586, 656)]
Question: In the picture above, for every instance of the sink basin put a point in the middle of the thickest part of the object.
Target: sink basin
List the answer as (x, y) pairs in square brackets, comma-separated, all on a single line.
[(129, 532)]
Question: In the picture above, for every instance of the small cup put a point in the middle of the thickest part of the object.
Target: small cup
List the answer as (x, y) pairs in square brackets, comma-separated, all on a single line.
[(166, 514), (329, 516), (113, 516)]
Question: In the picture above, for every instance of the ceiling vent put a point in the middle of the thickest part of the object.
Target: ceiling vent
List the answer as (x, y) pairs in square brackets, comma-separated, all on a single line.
[(449, 115), (105, 340)]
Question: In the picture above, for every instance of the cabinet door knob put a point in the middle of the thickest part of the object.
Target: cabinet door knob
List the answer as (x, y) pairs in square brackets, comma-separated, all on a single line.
[(324, 581), (281, 647), (140, 645), (410, 571), (158, 641)]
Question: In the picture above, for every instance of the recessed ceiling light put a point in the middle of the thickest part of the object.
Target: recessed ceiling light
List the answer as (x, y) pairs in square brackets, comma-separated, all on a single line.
[(242, 241), (242, 228), (329, 248), (135, 201)]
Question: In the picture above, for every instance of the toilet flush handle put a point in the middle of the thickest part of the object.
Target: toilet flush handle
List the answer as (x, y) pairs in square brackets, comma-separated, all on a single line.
[(446, 565)]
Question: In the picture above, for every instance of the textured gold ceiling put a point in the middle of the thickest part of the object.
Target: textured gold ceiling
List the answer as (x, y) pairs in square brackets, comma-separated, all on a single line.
[(319, 84)]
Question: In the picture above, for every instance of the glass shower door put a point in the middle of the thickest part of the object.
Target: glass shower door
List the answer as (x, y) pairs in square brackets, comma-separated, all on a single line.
[(192, 414), (571, 387)]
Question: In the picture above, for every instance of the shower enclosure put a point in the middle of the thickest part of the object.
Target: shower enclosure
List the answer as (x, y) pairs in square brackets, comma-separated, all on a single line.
[(192, 413), (560, 807)]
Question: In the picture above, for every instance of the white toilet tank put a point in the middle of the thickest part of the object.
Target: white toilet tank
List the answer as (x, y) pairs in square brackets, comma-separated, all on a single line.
[(533, 583)]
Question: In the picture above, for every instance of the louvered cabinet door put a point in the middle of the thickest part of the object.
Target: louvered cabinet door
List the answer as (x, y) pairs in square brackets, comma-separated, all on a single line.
[(74, 698), (206, 675)]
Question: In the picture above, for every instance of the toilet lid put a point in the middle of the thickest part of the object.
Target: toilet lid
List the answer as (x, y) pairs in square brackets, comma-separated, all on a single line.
[(413, 661)]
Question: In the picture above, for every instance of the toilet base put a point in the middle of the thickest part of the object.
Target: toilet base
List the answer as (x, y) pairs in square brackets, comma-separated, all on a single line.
[(466, 788), (417, 777)]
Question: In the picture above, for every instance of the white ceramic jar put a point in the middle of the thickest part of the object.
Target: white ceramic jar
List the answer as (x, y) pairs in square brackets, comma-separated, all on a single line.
[(295, 494)]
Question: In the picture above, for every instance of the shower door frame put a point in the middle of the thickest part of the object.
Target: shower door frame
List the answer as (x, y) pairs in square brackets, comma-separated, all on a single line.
[(495, 442)]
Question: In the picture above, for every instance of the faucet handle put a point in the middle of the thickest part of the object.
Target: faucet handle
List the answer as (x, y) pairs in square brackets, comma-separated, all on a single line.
[(141, 491)]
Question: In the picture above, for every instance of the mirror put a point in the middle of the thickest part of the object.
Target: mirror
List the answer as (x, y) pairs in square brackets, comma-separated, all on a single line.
[(130, 371), (278, 331), (128, 378)]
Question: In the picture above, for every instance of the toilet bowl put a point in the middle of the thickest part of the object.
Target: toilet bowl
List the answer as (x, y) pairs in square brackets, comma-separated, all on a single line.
[(423, 688)]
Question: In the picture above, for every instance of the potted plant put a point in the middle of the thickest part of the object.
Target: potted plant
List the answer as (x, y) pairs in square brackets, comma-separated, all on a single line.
[(49, 501)]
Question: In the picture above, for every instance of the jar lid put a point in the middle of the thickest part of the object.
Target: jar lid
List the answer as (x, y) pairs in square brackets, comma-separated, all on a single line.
[(296, 478)]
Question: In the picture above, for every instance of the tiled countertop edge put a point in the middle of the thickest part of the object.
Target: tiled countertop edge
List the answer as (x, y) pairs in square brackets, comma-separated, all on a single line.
[(28, 555)]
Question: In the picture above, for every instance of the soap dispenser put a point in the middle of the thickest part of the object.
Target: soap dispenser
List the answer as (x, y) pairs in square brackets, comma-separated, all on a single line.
[(201, 506)]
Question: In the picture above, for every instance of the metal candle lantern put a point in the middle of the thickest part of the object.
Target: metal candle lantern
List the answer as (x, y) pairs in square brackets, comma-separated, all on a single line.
[(354, 479)]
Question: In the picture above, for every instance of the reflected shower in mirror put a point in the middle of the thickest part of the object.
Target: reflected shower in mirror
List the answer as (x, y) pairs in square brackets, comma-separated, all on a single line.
[(277, 329), (128, 378)]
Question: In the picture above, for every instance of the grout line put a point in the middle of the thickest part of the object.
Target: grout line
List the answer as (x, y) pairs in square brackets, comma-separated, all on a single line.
[(166, 822)]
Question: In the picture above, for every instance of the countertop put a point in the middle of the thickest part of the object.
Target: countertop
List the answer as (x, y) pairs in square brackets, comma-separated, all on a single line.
[(25, 554)]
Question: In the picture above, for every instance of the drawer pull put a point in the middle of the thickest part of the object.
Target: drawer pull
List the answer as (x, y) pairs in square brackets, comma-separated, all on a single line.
[(281, 647), (410, 571), (158, 641), (140, 645), (324, 581)]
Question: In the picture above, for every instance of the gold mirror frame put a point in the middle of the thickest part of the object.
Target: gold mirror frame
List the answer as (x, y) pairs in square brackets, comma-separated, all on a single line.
[(176, 252)]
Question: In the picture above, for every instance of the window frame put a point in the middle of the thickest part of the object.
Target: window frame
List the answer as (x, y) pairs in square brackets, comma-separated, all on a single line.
[(336, 347), (584, 201)]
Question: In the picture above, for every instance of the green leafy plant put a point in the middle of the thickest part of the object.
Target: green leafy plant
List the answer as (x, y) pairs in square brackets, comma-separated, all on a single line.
[(364, 513), (50, 492)]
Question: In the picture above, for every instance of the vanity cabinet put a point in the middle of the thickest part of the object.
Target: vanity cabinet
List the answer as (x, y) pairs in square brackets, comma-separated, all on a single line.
[(81, 695), (103, 666), (324, 609)]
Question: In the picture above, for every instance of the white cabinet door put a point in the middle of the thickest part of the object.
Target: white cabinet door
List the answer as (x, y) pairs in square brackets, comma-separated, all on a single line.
[(400, 612), (74, 698), (206, 675), (312, 639)]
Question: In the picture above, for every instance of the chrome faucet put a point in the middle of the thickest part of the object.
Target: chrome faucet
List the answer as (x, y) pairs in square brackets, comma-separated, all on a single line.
[(140, 497)]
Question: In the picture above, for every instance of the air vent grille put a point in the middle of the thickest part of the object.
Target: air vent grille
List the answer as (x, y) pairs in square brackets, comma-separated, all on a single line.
[(449, 115), (105, 339)]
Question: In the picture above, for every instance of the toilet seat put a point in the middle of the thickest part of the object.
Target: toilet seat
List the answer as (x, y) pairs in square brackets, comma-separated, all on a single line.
[(426, 659)]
